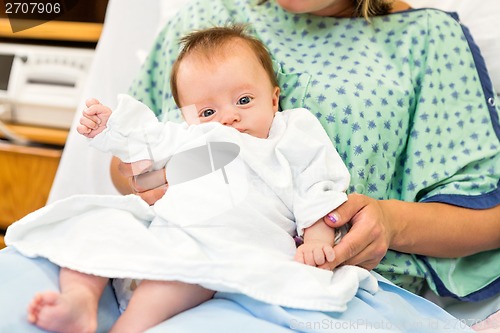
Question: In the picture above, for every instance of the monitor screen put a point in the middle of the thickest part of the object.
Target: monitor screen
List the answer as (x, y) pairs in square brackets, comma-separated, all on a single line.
[(6, 61)]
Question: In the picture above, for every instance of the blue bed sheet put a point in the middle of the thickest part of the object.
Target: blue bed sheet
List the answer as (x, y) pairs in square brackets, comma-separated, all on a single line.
[(392, 309)]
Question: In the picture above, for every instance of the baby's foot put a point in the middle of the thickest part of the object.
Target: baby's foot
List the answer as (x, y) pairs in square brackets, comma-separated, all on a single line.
[(63, 313)]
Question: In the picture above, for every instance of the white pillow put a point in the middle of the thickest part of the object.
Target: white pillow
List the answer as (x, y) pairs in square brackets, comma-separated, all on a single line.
[(482, 18)]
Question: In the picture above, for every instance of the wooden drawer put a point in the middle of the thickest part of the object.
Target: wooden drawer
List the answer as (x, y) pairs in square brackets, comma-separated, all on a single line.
[(26, 176)]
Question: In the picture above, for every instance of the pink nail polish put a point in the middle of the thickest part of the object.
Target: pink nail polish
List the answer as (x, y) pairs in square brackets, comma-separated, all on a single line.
[(332, 218)]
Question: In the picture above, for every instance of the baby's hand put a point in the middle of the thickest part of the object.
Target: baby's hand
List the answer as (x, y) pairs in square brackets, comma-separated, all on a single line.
[(315, 253), (94, 118)]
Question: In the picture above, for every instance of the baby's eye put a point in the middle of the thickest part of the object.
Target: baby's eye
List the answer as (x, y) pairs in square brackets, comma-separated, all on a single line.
[(207, 113), (244, 100)]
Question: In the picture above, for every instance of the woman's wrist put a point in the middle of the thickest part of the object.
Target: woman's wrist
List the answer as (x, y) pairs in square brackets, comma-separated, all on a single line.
[(395, 224)]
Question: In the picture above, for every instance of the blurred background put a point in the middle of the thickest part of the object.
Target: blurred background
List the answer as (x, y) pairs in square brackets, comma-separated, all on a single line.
[(45, 58)]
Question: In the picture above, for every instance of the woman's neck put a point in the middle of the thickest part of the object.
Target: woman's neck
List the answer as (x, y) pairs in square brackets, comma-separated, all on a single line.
[(340, 8), (345, 8), (399, 6)]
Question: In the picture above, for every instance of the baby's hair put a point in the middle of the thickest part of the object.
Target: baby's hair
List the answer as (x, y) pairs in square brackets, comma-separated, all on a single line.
[(213, 41)]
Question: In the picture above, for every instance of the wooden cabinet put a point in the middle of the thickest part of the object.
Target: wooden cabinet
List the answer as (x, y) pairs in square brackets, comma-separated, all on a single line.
[(27, 172)]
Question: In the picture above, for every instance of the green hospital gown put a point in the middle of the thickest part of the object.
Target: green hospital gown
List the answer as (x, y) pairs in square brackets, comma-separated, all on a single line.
[(405, 99)]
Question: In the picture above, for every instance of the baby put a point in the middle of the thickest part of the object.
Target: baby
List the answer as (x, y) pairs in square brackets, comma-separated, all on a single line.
[(224, 82)]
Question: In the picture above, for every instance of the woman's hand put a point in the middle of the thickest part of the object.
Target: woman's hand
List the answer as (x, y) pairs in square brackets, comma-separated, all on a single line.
[(369, 237), (139, 178), (426, 228)]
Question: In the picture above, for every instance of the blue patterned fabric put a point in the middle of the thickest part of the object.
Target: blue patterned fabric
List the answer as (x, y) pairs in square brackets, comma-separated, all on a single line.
[(405, 99)]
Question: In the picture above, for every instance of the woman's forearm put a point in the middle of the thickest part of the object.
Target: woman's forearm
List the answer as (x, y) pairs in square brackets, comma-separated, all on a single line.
[(137, 178), (441, 230), (121, 182)]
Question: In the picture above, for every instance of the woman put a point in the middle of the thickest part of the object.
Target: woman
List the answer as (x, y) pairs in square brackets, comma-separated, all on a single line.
[(395, 87), (417, 181)]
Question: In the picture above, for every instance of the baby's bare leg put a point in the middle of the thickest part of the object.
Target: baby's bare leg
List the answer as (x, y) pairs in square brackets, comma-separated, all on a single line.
[(155, 301), (72, 310)]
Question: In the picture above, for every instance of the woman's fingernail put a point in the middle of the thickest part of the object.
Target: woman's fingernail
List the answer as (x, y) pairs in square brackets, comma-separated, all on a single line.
[(333, 217)]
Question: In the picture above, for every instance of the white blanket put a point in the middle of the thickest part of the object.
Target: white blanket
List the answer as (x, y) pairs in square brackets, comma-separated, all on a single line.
[(228, 231), (108, 236)]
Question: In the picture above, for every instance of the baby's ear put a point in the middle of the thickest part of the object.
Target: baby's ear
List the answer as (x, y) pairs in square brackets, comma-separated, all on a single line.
[(190, 115), (276, 99)]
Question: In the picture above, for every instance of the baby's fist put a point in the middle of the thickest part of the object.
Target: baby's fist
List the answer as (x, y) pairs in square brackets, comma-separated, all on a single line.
[(94, 118)]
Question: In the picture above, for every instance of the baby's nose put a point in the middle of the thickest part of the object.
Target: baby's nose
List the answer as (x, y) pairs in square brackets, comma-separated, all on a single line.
[(229, 117)]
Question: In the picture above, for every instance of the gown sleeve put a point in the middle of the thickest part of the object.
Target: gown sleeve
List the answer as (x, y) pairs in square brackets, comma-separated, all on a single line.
[(320, 176), (453, 150), (133, 134)]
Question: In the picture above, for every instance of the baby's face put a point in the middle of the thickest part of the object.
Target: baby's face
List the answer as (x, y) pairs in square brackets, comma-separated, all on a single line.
[(232, 89)]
